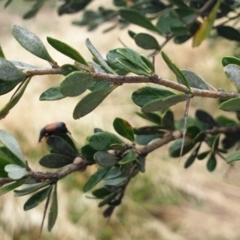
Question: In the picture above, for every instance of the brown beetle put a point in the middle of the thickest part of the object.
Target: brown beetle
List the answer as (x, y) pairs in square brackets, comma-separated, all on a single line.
[(53, 128)]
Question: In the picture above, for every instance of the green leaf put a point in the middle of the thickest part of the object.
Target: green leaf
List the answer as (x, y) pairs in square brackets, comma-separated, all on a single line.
[(115, 181), (180, 76), (206, 26), (144, 139), (168, 120), (53, 211), (75, 84), (37, 198), (175, 148), (146, 41), (67, 50), (15, 171), (91, 101), (95, 179), (2, 53), (235, 156), (152, 117), (68, 68), (55, 160), (28, 190), (108, 199), (8, 72), (61, 146), (194, 80), (34, 10), (162, 104), (105, 159), (229, 33), (52, 94), (135, 17), (233, 73), (31, 42), (12, 186), (231, 105), (103, 141), (12, 145), (148, 94), (88, 152), (211, 163), (99, 58), (3, 162), (7, 86), (230, 60), (101, 192), (135, 58), (114, 172), (123, 128), (129, 157), (203, 155), (14, 100)]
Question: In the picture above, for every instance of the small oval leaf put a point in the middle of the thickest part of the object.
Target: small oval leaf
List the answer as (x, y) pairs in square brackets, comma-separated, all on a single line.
[(52, 94), (231, 105), (55, 160), (31, 42), (105, 159)]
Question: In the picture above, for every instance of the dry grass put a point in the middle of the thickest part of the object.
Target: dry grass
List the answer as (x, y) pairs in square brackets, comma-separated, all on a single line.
[(167, 202)]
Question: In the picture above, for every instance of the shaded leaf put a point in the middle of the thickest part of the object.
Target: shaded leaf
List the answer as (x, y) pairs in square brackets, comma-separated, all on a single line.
[(101, 192), (148, 94), (75, 84), (137, 18), (60, 145), (12, 186), (8, 72), (162, 104), (231, 105), (175, 148), (37, 198), (129, 157), (34, 10), (206, 118), (52, 94), (99, 58), (229, 33), (108, 199), (146, 41), (12, 145), (53, 211), (180, 76), (144, 139), (103, 141), (28, 190), (55, 160), (7, 86), (95, 178), (91, 101), (123, 128), (211, 163), (152, 117), (31, 42), (206, 26), (168, 120), (68, 68), (67, 50), (88, 152), (105, 159)]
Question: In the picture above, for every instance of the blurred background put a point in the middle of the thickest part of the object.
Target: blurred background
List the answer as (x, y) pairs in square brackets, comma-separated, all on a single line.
[(167, 201)]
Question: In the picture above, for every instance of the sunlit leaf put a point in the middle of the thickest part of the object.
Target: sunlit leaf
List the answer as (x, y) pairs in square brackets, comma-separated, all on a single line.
[(206, 26), (123, 128), (233, 73), (12, 145), (8, 72), (52, 94), (31, 42), (67, 50), (15, 171), (231, 105), (235, 156), (230, 60)]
